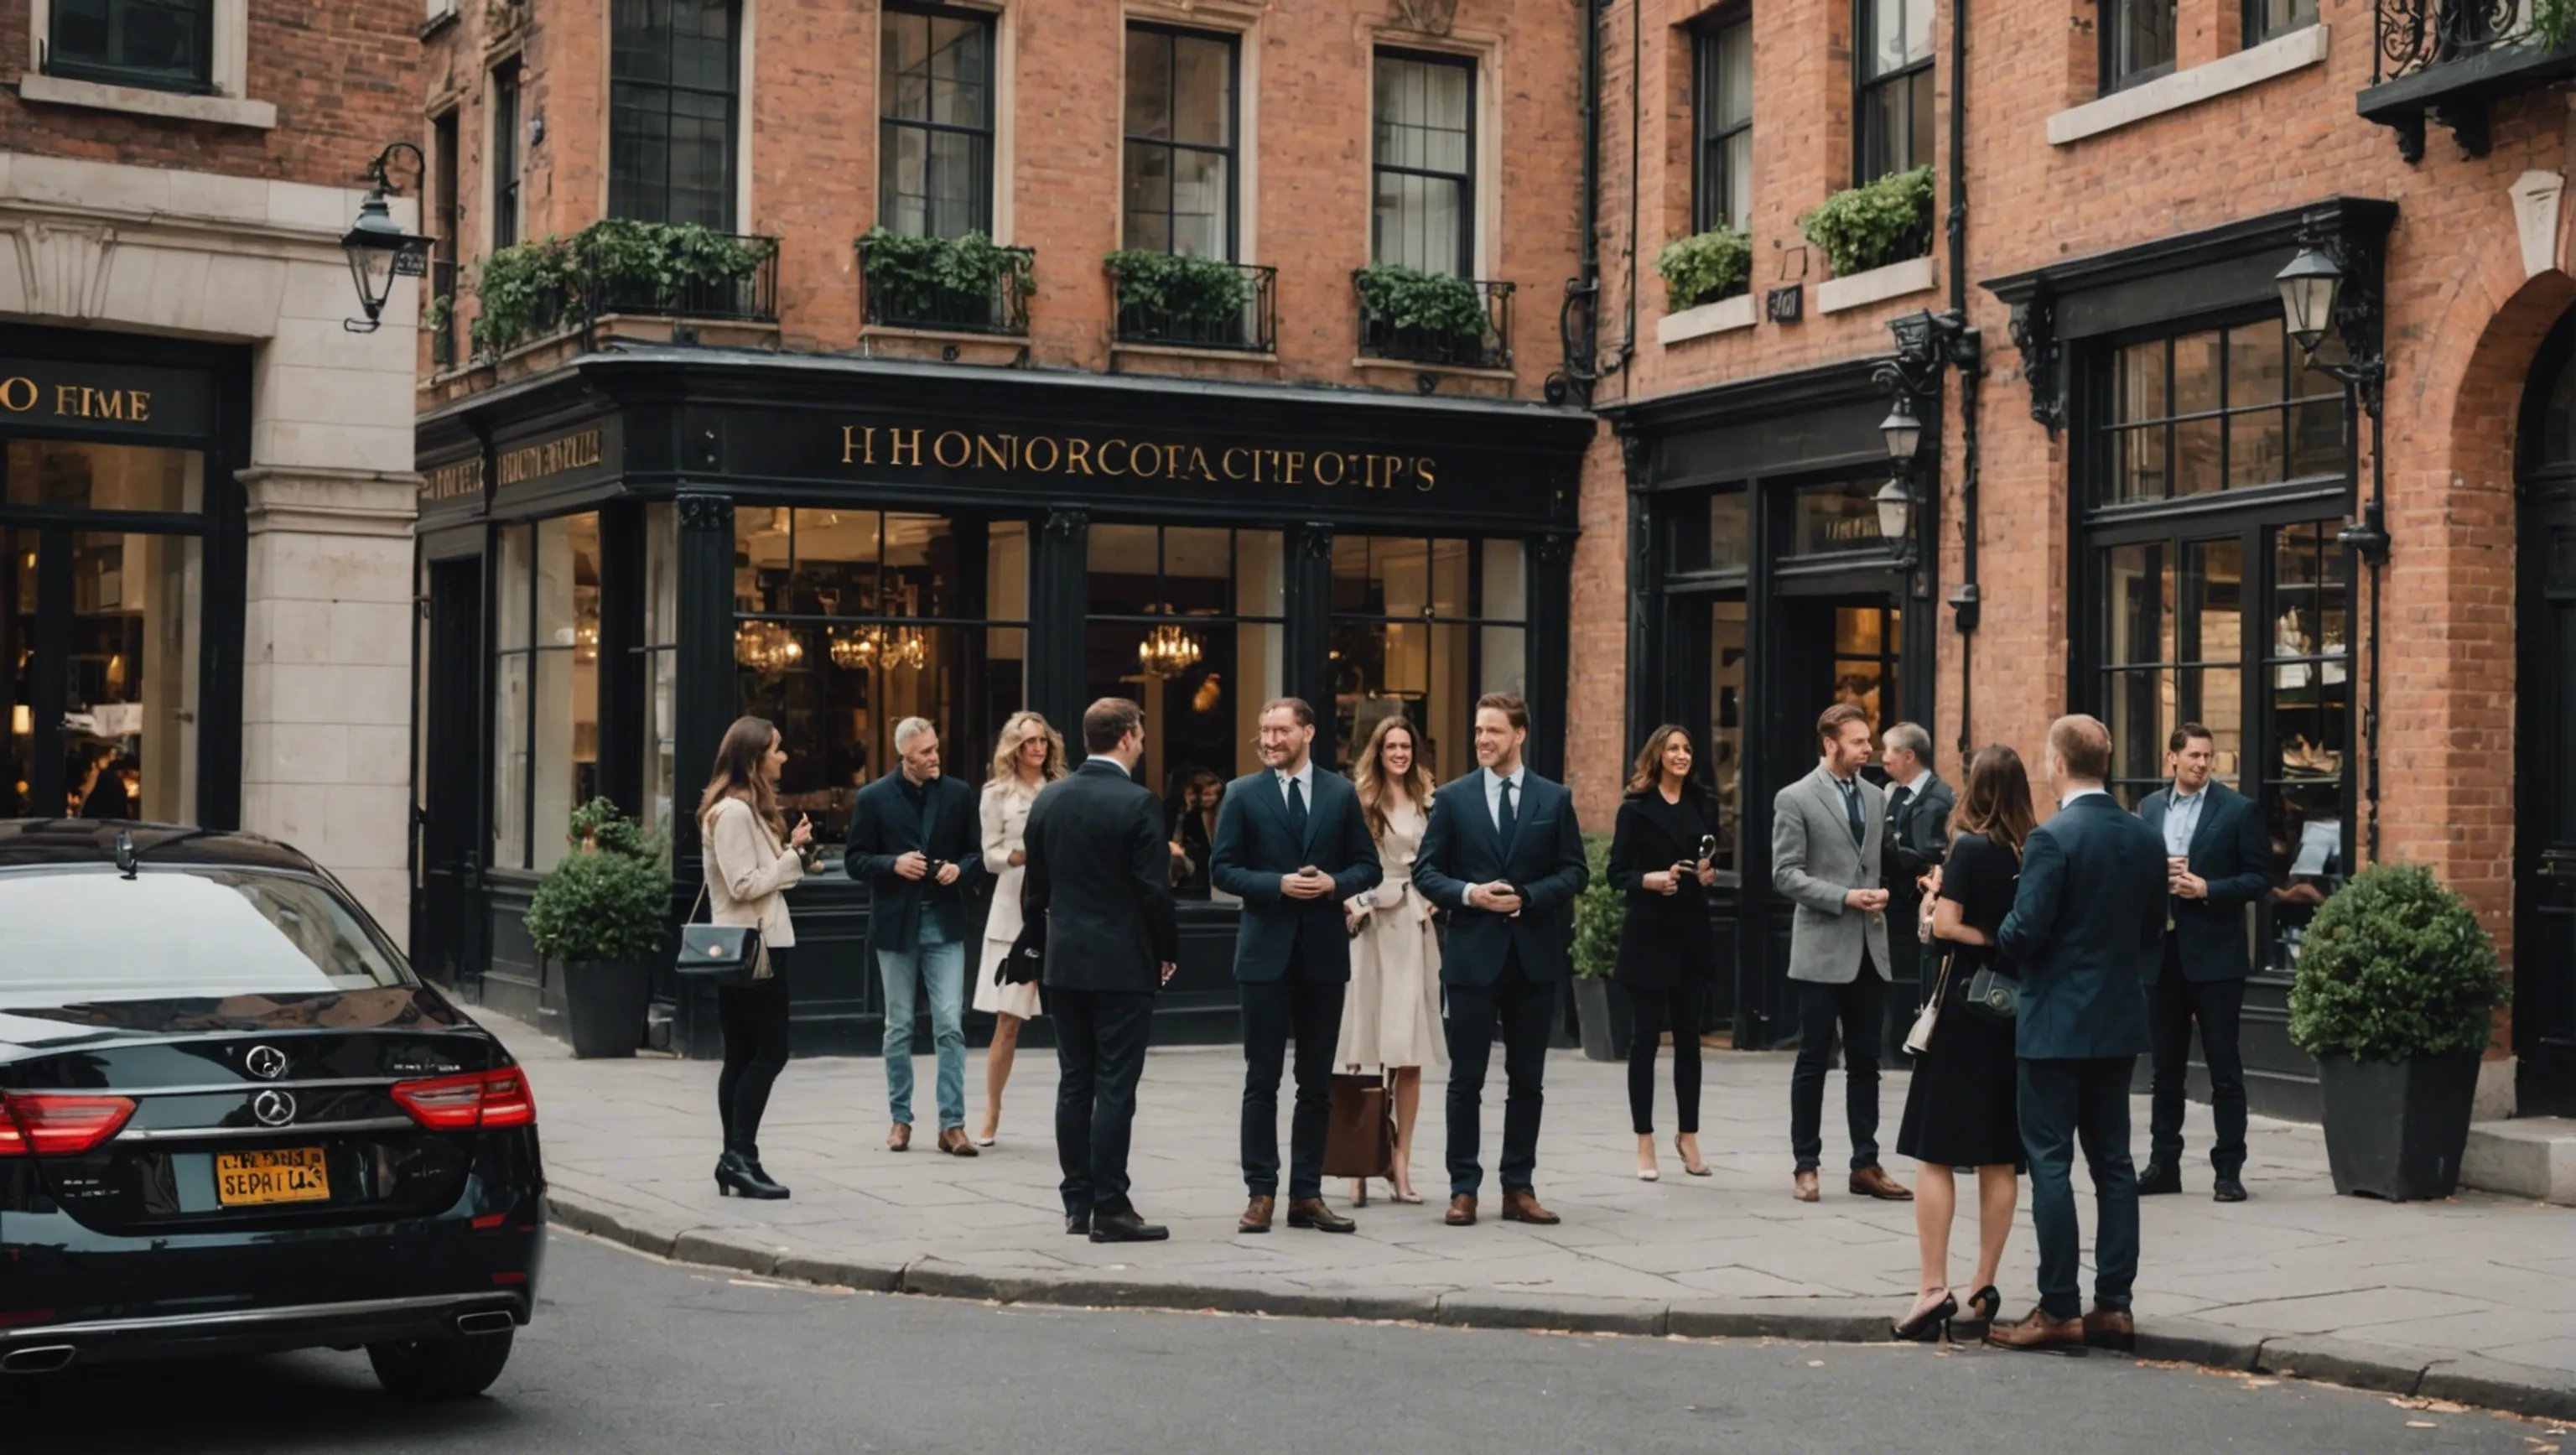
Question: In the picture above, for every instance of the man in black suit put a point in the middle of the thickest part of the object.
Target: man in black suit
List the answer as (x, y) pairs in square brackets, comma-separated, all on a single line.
[(1099, 877), (2085, 926), (1292, 845), (916, 842), (1504, 856), (2219, 860), (1918, 835)]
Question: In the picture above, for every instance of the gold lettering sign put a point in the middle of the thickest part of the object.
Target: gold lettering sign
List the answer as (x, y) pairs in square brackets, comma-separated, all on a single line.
[(452, 482), (911, 448), (22, 395), (531, 463)]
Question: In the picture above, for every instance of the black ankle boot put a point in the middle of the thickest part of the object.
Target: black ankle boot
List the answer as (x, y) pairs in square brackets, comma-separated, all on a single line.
[(739, 1176)]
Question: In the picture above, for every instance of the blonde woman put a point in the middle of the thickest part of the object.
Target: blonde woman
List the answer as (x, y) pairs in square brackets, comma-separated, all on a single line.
[(752, 859), (1391, 1017), (1029, 757)]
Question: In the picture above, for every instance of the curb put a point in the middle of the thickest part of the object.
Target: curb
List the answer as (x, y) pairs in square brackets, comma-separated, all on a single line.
[(2463, 1378)]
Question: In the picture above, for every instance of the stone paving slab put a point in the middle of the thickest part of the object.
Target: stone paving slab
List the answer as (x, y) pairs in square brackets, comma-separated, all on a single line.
[(2475, 1295)]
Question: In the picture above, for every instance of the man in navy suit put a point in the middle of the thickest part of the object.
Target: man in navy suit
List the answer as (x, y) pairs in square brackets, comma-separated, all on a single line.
[(1504, 856), (1292, 845), (2084, 930), (2219, 860)]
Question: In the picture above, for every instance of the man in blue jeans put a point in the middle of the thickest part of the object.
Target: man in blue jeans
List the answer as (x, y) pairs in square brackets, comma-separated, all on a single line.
[(915, 842)]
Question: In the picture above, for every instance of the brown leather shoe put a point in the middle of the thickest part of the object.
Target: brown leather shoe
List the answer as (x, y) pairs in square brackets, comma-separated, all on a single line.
[(1804, 1187), (1462, 1210), (1256, 1215), (1522, 1207), (2111, 1328), (1310, 1212), (2038, 1331), (955, 1142), (899, 1138), (1874, 1182)]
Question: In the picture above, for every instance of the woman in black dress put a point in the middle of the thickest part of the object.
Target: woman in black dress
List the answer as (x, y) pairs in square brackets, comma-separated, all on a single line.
[(1959, 1110), (1667, 952)]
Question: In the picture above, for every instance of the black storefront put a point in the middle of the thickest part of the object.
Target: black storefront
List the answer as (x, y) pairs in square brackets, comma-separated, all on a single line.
[(1761, 591), (620, 556)]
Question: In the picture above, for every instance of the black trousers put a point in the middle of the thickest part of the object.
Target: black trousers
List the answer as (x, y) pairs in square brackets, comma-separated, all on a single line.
[(1100, 1038), (2174, 1005), (754, 1020), (1524, 1008), (1659, 1009), (1310, 1011), (1860, 1008), (2062, 1103)]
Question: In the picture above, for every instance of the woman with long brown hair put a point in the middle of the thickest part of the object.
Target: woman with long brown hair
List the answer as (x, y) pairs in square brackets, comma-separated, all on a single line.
[(1029, 756), (1959, 1111), (1661, 860), (752, 859), (1391, 1014)]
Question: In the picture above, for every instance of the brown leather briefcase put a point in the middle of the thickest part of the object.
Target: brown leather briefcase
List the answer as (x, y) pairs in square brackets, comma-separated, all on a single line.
[(1359, 1140)]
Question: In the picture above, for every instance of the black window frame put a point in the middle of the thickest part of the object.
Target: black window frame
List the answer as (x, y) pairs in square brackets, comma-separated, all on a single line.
[(1712, 179), (506, 162), (1916, 71), (628, 198), (984, 136), (1467, 198), (2256, 26), (109, 69), (1232, 151), (2114, 18), (1479, 617)]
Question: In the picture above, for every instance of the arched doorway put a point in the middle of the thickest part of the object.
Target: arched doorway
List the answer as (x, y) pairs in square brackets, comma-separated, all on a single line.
[(2544, 937)]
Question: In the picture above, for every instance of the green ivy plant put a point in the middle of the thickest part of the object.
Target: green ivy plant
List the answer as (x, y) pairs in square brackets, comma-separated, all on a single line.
[(2394, 966), (1705, 267), (441, 309), (1598, 913), (938, 277), (1873, 225), (1435, 306), (2553, 22), (1180, 287), (532, 287), (610, 896)]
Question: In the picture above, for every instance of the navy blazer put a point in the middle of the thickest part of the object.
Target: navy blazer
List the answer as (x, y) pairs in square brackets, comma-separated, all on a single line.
[(1544, 861), (1254, 848), (2230, 849), (2086, 926), (1099, 873), (884, 826)]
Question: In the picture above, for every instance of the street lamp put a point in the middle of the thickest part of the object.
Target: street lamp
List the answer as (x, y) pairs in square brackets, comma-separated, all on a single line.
[(2308, 287), (1895, 515), (1902, 430), (378, 248)]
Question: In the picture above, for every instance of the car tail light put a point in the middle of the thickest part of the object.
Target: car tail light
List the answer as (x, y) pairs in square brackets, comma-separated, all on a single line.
[(476, 1099), (47, 1124)]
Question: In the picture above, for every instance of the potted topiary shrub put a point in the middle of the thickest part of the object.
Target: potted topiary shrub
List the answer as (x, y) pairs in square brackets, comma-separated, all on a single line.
[(599, 916), (2395, 996), (1601, 1008)]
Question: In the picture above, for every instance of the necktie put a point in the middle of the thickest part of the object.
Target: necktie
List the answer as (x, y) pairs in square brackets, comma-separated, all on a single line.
[(1505, 820), (1297, 811), (1851, 807), (1897, 803)]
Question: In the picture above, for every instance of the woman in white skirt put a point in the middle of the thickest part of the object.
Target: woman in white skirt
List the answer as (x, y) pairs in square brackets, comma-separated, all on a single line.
[(1029, 757), (1391, 1017)]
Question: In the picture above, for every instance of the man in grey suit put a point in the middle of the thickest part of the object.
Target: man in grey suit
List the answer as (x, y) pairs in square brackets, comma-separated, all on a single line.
[(1827, 845)]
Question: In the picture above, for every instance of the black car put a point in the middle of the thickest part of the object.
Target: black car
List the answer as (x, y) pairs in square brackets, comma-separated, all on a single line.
[(232, 1121)]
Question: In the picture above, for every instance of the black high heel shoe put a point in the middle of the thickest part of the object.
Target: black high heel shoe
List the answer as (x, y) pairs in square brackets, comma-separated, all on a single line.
[(739, 1176), (1933, 1323), (1985, 1304)]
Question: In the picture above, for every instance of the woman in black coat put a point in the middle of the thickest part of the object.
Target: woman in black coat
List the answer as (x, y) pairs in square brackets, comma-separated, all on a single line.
[(1660, 860)]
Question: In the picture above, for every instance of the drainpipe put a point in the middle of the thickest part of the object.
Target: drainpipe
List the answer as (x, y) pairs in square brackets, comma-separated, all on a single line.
[(1964, 600), (1578, 319)]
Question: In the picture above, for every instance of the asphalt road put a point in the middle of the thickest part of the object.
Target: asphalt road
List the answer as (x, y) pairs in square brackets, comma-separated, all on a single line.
[(629, 1354)]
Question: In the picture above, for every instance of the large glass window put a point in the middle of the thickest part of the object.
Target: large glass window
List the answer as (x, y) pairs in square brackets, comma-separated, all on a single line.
[(166, 45), (2221, 409), (1421, 629), (1722, 118), (505, 153), (2271, 19), (935, 121), (673, 89), (1723, 748), (545, 687), (1895, 101), (1425, 167), (1180, 183), (2137, 41)]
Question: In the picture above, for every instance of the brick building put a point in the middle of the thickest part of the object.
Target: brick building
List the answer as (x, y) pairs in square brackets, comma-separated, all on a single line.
[(205, 530), (845, 363), (2141, 498)]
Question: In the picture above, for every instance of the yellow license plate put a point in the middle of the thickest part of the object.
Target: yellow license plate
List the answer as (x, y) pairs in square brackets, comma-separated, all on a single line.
[(274, 1174)]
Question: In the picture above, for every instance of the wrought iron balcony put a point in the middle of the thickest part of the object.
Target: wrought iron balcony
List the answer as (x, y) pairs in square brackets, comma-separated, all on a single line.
[(749, 298), (2448, 60), (892, 300), (1383, 337), (1253, 327)]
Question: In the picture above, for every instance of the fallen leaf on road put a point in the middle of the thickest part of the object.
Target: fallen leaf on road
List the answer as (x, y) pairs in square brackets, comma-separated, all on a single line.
[(1815, 1364), (2422, 1425), (2261, 1383)]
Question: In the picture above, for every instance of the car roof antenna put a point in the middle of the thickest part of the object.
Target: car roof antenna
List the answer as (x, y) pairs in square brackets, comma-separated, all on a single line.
[(126, 858)]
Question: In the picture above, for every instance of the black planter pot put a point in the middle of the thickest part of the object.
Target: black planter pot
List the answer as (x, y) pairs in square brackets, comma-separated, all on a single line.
[(605, 1002), (1607, 1016), (2396, 1129)]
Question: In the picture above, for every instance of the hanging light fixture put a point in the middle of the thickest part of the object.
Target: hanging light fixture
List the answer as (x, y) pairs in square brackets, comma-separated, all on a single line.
[(1167, 651), (378, 249), (767, 646), (853, 648)]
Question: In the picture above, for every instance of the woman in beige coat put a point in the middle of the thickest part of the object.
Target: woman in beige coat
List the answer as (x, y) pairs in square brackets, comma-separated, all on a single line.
[(1029, 757), (1391, 1015), (752, 860)]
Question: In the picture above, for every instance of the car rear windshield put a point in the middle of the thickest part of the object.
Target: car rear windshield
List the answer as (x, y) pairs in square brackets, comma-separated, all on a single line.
[(81, 934)]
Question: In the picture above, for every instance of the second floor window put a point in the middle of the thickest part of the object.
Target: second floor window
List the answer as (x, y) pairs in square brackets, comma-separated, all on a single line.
[(505, 153), (2137, 41), (1180, 141), (1895, 111), (935, 122), (166, 45), (673, 91), (1425, 163), (2271, 19), (1722, 116)]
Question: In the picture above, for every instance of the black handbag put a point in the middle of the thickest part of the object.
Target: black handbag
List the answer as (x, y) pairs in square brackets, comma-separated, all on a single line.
[(1994, 994), (1027, 956), (719, 955)]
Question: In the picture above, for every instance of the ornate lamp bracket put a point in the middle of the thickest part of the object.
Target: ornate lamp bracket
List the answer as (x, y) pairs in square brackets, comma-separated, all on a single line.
[(2034, 335)]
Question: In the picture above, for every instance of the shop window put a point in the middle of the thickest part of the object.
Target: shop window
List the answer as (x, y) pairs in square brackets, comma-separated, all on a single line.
[(849, 621), (2218, 410), (1425, 163), (1868, 642), (1722, 749), (1421, 629), (163, 45), (2137, 42), (545, 690), (1715, 537), (61, 475), (935, 122), (1180, 163), (2272, 19), (674, 86), (1837, 518), (1722, 120), (1894, 106), (661, 675)]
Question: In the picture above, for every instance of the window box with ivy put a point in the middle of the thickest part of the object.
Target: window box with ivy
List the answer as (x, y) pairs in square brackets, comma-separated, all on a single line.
[(1191, 302), (535, 290), (965, 284), (1875, 224), (1433, 318)]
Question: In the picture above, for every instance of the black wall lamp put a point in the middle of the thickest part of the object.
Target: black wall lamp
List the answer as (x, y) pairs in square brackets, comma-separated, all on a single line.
[(378, 248), (1927, 345)]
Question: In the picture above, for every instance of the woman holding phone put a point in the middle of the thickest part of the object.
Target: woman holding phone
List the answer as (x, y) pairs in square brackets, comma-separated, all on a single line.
[(1661, 854), (752, 859)]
